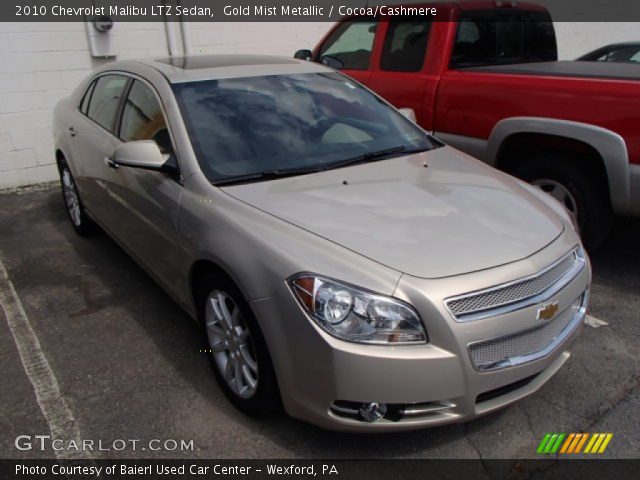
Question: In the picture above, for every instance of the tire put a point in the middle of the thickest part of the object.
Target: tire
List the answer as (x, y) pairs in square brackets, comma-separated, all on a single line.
[(586, 188), (245, 346), (81, 222)]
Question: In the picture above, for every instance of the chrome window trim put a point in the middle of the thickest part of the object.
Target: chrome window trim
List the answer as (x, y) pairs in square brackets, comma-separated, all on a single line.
[(577, 319), (563, 281)]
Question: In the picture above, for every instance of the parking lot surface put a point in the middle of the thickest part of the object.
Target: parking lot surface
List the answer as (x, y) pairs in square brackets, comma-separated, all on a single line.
[(126, 362)]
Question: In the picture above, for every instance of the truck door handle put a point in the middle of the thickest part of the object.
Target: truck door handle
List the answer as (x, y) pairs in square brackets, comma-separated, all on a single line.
[(72, 131)]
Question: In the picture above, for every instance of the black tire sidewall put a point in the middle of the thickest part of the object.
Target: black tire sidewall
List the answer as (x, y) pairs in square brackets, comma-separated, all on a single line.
[(589, 190), (267, 396)]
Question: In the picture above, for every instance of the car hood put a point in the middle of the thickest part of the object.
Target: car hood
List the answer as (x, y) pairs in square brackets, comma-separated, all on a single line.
[(430, 215)]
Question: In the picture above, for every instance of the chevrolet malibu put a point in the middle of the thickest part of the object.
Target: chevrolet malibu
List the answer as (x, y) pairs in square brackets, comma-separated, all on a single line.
[(343, 262)]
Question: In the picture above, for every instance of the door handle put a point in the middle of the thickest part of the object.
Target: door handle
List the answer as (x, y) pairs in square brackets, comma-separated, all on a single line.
[(110, 163), (72, 131)]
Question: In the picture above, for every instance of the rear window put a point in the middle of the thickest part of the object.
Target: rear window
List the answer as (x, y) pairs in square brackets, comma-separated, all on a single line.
[(501, 38), (405, 45)]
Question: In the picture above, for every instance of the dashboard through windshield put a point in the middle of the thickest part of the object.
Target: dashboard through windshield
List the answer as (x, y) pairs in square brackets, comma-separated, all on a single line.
[(241, 127)]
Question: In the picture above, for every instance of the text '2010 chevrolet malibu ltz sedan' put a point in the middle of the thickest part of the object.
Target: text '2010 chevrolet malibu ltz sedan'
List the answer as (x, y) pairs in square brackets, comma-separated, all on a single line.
[(344, 263)]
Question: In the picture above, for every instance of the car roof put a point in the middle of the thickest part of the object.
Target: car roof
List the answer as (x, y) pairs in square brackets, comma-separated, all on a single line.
[(620, 45), (211, 67)]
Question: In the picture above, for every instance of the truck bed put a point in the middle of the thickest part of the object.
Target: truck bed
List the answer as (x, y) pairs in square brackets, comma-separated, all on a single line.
[(569, 68)]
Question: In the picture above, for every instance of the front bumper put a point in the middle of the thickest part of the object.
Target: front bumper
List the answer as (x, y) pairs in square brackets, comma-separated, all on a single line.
[(321, 377)]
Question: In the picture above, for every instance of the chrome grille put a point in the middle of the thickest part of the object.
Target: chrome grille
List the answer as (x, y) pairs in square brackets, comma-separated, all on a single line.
[(500, 352), (513, 292)]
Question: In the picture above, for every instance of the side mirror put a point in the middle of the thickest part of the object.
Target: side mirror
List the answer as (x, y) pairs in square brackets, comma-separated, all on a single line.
[(332, 62), (408, 113), (303, 55), (144, 154)]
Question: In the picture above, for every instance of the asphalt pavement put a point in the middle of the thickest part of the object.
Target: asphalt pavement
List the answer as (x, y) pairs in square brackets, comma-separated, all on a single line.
[(126, 364)]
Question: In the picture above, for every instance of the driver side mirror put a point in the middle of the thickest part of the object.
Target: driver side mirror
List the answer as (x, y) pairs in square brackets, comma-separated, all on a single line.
[(303, 55), (144, 154), (332, 62)]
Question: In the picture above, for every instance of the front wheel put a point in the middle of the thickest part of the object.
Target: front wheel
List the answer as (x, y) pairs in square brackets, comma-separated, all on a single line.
[(238, 351), (581, 190)]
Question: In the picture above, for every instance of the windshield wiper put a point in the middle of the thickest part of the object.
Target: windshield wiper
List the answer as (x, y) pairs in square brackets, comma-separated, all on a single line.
[(291, 172), (266, 175), (375, 155)]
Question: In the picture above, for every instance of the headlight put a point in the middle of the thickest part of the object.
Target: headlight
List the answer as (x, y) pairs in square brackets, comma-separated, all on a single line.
[(356, 315)]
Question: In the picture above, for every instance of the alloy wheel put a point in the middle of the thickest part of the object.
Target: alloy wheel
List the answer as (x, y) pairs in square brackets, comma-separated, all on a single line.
[(231, 344)]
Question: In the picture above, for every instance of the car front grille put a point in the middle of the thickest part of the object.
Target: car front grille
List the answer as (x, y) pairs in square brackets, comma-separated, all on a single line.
[(527, 345), (484, 303)]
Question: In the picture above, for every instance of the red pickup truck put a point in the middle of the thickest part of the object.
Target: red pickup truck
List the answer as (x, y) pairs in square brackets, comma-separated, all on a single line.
[(484, 77)]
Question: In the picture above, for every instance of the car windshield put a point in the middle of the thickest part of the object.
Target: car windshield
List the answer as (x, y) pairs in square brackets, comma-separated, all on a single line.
[(276, 124)]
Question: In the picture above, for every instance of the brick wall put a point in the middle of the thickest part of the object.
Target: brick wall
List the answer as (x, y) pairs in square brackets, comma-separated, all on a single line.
[(42, 62)]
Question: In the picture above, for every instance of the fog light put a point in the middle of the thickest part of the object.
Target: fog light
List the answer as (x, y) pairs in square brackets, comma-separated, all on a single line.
[(372, 412)]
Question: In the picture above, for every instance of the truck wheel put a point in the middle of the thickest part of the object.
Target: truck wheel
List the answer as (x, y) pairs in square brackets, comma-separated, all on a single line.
[(581, 190), (238, 351)]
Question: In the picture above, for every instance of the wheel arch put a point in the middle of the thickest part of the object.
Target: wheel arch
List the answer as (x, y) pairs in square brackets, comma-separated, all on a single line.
[(60, 157), (599, 145), (202, 268)]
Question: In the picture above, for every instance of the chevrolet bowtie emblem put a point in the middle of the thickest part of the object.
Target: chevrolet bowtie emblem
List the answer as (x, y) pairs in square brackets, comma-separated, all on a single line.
[(548, 311)]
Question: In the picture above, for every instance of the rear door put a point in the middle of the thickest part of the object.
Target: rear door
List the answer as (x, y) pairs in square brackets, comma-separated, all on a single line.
[(401, 74), (350, 48), (91, 138)]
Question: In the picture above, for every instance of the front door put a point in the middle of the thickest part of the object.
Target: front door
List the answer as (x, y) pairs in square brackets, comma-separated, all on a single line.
[(145, 216), (401, 76)]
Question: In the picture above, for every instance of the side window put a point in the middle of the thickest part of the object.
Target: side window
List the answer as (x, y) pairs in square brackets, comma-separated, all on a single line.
[(105, 100), (351, 44), (142, 118), (540, 38), (475, 41), (626, 54), (510, 39), (405, 45), (84, 105), (487, 38)]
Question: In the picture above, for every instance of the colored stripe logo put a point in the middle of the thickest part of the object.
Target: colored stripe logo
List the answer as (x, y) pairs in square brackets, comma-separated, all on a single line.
[(563, 443)]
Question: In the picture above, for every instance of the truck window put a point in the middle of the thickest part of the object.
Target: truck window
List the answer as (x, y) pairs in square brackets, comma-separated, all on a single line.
[(540, 38), (491, 38), (405, 45), (351, 44)]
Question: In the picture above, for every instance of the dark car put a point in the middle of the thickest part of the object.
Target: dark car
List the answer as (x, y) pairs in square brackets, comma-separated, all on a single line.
[(616, 52)]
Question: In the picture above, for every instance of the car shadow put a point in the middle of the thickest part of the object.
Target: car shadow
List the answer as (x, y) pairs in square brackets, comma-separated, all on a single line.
[(616, 263)]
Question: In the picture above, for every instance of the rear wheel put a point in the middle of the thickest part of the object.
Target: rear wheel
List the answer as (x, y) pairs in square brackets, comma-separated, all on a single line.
[(581, 190), (81, 222), (238, 351)]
